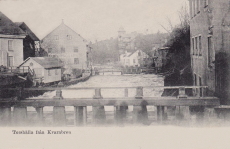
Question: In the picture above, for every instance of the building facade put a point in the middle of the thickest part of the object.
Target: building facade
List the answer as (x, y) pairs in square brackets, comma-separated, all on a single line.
[(210, 46), (69, 46), (126, 42), (11, 42), (30, 42), (135, 59), (45, 69)]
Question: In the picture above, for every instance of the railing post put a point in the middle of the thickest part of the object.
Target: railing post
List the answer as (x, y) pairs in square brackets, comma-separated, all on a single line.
[(20, 116), (120, 111), (140, 114), (39, 111), (80, 114), (5, 116), (98, 111), (59, 117), (182, 93)]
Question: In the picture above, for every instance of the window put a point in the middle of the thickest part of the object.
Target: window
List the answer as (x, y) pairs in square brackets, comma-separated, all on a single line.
[(198, 6), (76, 61), (56, 72), (62, 50), (75, 49), (209, 51), (69, 37), (134, 61), (200, 46), (201, 90), (205, 3), (10, 45), (49, 50), (49, 73), (56, 37), (196, 46), (193, 46), (195, 7), (139, 53)]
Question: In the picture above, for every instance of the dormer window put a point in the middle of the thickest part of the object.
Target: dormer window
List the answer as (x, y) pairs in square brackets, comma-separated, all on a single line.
[(69, 37)]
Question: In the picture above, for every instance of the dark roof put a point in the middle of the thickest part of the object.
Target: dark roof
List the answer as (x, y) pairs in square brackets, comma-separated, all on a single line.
[(8, 27), (26, 29), (46, 62)]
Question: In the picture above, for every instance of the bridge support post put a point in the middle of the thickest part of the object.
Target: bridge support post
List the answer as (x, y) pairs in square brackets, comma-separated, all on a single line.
[(120, 112), (161, 115), (80, 114), (39, 111), (98, 111), (140, 114), (20, 116), (59, 117), (210, 114), (198, 111), (182, 113), (5, 116)]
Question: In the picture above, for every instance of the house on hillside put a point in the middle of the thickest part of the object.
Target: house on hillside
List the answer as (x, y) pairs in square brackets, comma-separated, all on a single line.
[(30, 43), (137, 58), (70, 47), (45, 69), (11, 42)]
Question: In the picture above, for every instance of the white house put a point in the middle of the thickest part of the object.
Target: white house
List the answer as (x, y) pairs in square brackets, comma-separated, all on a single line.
[(136, 58), (46, 69), (11, 42)]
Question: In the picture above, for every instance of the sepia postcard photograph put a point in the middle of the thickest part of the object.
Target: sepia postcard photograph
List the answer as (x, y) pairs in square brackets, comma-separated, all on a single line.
[(114, 74)]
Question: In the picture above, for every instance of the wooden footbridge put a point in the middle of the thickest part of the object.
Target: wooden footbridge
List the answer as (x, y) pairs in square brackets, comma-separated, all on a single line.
[(13, 111)]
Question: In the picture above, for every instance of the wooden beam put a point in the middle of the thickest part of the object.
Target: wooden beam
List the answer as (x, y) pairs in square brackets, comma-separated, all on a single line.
[(161, 101)]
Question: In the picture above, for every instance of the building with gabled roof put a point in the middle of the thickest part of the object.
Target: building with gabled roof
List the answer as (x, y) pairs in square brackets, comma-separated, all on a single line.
[(137, 58), (31, 43), (11, 42), (69, 46), (46, 69)]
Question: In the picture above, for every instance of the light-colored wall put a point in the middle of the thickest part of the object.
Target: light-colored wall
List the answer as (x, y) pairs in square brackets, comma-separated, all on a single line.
[(53, 77), (41, 72), (17, 52), (68, 57)]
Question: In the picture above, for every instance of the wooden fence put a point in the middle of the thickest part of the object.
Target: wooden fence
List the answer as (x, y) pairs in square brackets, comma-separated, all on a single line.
[(18, 116)]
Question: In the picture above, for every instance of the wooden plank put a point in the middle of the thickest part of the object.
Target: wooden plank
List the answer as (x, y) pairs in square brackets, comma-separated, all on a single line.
[(115, 102), (89, 88)]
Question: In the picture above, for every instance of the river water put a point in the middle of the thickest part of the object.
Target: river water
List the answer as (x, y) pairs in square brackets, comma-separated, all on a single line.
[(108, 80)]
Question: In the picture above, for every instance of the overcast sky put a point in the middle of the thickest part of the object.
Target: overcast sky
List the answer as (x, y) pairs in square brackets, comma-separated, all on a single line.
[(93, 19)]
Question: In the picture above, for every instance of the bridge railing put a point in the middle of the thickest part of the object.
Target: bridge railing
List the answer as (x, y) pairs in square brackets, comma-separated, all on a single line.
[(18, 116)]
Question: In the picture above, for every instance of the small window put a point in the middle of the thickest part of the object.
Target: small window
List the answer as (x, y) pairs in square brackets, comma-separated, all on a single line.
[(193, 46), (139, 53), (75, 49), (205, 3), (200, 46), (31, 64), (10, 45), (134, 61), (56, 37), (49, 50), (62, 50), (76, 61), (56, 72), (69, 37), (49, 73)]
